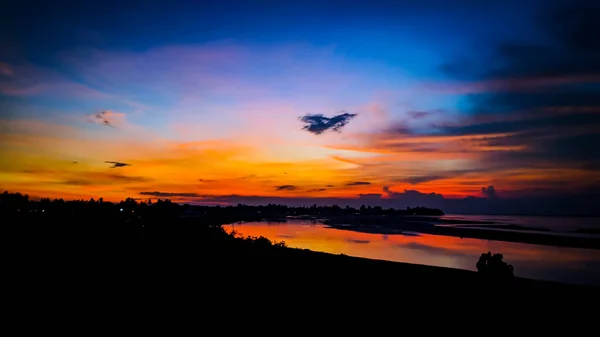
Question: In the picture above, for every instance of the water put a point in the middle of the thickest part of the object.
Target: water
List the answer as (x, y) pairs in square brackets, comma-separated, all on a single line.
[(570, 265), (554, 223)]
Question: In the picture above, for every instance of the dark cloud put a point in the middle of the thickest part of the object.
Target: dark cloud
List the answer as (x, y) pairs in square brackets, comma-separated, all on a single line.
[(317, 123), (540, 107), (170, 194), (317, 190), (205, 180), (567, 49), (489, 192), (564, 65), (329, 186), (562, 122), (548, 204), (358, 241), (358, 183), (415, 198), (117, 164), (285, 188), (432, 176), (102, 118), (370, 196)]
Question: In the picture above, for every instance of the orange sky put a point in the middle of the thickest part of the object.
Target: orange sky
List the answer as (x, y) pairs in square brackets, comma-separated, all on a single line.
[(55, 159)]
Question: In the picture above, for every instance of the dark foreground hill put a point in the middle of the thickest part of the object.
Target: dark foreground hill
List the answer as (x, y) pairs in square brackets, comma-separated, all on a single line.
[(189, 259), (98, 261), (215, 282)]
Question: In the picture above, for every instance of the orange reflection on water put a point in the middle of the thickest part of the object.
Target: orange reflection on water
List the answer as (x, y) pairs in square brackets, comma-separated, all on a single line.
[(535, 261)]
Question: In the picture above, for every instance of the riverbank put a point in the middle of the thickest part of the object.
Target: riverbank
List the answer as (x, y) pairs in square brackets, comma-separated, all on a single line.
[(427, 225)]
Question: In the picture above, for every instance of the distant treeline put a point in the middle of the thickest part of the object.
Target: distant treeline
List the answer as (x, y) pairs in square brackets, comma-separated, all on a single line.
[(134, 209), (83, 222)]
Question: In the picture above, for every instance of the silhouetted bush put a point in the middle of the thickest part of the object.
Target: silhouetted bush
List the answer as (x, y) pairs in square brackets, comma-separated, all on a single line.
[(491, 266)]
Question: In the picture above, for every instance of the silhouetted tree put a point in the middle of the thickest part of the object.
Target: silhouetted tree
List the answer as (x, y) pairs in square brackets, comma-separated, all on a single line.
[(491, 266)]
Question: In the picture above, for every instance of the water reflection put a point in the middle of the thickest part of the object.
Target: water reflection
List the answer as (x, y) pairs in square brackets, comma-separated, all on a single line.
[(571, 265)]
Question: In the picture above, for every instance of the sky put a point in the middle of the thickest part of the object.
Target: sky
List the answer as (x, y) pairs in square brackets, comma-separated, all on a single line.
[(471, 106)]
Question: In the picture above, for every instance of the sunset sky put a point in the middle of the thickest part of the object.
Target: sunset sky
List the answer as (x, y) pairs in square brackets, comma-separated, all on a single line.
[(203, 101)]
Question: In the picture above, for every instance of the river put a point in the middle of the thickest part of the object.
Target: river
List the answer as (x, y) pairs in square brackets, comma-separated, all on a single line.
[(569, 265)]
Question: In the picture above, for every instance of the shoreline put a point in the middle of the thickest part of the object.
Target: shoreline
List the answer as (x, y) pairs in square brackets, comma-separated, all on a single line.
[(517, 234)]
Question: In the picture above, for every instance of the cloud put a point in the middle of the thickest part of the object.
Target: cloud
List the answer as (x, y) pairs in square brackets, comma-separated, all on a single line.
[(358, 183), (489, 192), (107, 118), (77, 178), (370, 196), (170, 194), (317, 123), (531, 126), (352, 161), (419, 114), (422, 179), (285, 188), (358, 241), (317, 190), (77, 182), (117, 164), (414, 198), (553, 117)]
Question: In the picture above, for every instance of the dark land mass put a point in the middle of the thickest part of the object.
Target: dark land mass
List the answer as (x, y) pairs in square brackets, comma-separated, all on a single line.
[(427, 225), (93, 252), (588, 230), (518, 228)]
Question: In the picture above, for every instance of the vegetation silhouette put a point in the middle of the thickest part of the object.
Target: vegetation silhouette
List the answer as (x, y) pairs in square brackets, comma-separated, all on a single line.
[(493, 268)]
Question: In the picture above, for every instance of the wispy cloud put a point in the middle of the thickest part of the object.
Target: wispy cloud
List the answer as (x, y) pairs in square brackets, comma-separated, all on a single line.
[(317, 190), (107, 118), (285, 188), (170, 194), (358, 241), (116, 164), (422, 179), (358, 183)]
